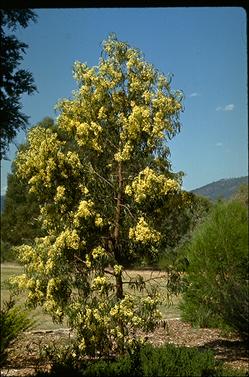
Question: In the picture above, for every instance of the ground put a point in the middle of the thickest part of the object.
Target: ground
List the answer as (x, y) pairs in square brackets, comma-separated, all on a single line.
[(24, 354)]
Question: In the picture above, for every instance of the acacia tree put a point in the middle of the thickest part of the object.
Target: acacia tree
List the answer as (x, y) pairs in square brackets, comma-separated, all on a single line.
[(101, 176)]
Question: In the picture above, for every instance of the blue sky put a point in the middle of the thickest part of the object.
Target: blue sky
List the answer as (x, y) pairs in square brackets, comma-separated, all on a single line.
[(205, 49)]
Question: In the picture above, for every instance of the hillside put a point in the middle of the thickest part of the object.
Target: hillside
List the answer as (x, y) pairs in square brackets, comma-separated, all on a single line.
[(222, 189)]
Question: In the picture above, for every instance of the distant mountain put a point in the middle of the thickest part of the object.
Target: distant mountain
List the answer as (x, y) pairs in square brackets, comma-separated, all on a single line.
[(222, 189)]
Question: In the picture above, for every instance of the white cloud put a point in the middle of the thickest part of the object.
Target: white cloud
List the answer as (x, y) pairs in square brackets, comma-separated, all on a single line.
[(219, 144), (194, 94), (229, 107)]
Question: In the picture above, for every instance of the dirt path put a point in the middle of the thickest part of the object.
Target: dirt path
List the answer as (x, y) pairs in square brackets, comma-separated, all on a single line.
[(24, 355)]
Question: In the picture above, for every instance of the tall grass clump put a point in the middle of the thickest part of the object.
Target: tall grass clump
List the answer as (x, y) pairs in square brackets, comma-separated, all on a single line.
[(216, 290)]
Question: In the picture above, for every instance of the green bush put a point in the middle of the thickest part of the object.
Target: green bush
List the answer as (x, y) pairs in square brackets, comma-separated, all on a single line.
[(170, 360), (216, 284), (13, 321), (148, 361)]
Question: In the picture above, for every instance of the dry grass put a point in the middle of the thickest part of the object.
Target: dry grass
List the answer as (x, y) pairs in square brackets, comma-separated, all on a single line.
[(157, 278), (43, 321)]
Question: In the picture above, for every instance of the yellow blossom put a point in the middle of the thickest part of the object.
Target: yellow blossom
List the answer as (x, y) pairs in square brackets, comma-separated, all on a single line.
[(143, 233), (60, 192), (85, 209), (148, 184)]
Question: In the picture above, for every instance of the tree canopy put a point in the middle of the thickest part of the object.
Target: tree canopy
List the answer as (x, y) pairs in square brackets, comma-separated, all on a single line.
[(101, 176), (13, 81)]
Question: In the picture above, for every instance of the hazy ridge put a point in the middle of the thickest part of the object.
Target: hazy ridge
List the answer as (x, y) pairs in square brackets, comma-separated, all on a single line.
[(222, 189)]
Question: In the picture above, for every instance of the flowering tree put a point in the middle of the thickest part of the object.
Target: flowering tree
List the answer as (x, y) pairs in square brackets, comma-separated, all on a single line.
[(101, 176)]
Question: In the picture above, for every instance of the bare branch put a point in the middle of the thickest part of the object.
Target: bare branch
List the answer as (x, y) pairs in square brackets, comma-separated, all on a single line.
[(128, 209), (100, 176)]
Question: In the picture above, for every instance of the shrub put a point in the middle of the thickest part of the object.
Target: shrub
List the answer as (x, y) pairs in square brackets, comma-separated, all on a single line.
[(13, 321), (148, 361), (216, 292)]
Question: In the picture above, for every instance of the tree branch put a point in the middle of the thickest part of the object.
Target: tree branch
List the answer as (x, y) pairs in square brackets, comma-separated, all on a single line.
[(100, 176)]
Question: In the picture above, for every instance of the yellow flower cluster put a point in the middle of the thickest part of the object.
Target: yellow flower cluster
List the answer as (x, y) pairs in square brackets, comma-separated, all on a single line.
[(102, 115), (42, 160), (98, 220), (96, 256), (125, 310), (85, 209), (99, 282), (84, 190), (143, 233), (138, 120), (23, 282), (167, 104), (88, 134), (78, 69), (126, 152), (135, 313), (60, 193), (20, 281), (151, 118), (88, 262), (73, 160), (147, 96), (67, 239), (117, 269), (52, 287), (37, 162), (148, 184), (51, 307), (98, 252)]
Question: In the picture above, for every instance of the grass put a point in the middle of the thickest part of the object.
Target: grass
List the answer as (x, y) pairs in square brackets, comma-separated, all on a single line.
[(44, 321), (169, 308), (8, 270)]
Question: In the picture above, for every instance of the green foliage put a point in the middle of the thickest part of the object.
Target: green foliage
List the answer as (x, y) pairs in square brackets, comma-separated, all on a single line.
[(184, 220), (14, 321), (14, 81), (7, 252), (216, 291), (19, 223), (170, 360), (241, 194), (19, 220), (145, 361)]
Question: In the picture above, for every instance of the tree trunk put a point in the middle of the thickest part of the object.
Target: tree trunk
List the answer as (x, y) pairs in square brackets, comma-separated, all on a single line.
[(119, 282), (119, 287)]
